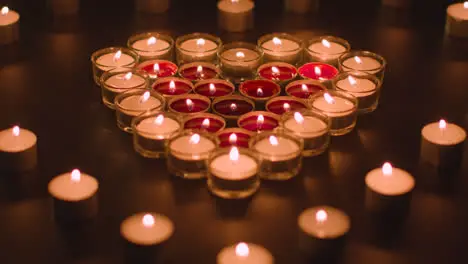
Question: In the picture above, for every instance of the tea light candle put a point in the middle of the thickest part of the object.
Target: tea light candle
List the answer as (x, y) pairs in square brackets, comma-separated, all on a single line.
[(9, 26), (235, 15), (244, 253), (189, 104), (172, 86), (258, 121), (363, 61), (110, 58), (64, 7), (74, 195), (197, 71), (214, 88), (18, 149), (152, 6), (151, 45), (259, 91), (159, 68), (231, 107), (365, 87), (278, 72), (283, 104), (239, 61), (442, 144), (303, 89), (339, 107), (457, 20), (301, 6), (233, 173), (119, 80), (281, 47), (388, 189), (234, 137), (147, 229), (319, 71), (322, 230), (197, 47), (327, 49), (205, 121)]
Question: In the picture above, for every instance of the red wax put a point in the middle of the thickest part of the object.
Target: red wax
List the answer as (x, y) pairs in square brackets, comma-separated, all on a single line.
[(328, 72), (277, 106), (242, 140), (250, 123), (251, 88), (285, 73), (166, 68), (225, 108), (192, 74), (164, 88), (180, 105), (221, 89), (197, 123), (297, 91)]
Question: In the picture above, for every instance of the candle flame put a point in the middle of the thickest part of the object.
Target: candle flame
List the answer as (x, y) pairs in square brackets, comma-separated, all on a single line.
[(189, 104), (304, 88), (465, 5), (299, 118), (194, 139), (240, 55), (358, 60), (145, 97), (326, 43), (16, 131), (206, 123), (233, 138), (286, 107), (235, 1), (442, 124), (387, 169), (199, 69), (260, 120), (75, 175), (117, 55), (277, 41), (321, 216), (172, 87), (147, 220), (242, 249), (259, 92), (273, 140), (151, 41), (275, 70), (317, 71), (128, 76), (5, 10), (352, 80), (233, 107), (156, 67), (234, 154), (329, 98), (200, 42), (212, 88), (159, 120)]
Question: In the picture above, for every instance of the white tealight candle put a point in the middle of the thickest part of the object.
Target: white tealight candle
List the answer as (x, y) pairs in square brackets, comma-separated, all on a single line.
[(151, 47), (457, 20), (239, 62), (126, 80), (147, 229), (114, 60), (388, 189), (158, 127), (197, 47), (136, 104), (191, 147), (359, 87), (281, 47), (365, 87), (278, 148), (75, 196), (235, 15), (244, 253), (442, 144), (362, 63), (309, 126), (9, 29), (327, 49), (18, 149)]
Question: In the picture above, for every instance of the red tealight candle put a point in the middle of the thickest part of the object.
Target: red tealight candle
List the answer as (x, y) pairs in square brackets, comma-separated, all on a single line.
[(235, 136), (258, 121), (171, 86), (197, 71), (214, 88), (205, 121), (277, 71), (304, 88), (282, 104), (159, 68), (189, 104), (318, 71), (231, 107), (259, 90)]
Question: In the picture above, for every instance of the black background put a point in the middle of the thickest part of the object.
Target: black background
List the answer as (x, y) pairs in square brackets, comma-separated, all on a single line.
[(46, 85)]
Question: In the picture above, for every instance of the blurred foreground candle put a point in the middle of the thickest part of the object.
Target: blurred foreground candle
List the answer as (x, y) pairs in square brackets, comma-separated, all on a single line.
[(134, 102), (239, 61), (260, 91), (172, 86), (234, 137), (322, 72), (64, 7), (281, 47), (340, 107), (152, 45), (197, 47), (326, 49), (363, 61), (302, 6), (442, 145), (279, 72), (198, 71), (244, 253), (18, 150), (303, 89), (323, 230), (204, 121), (189, 104), (158, 68), (109, 58), (152, 131), (457, 20), (214, 88), (365, 87), (280, 154), (233, 173), (258, 121), (312, 126), (235, 15), (188, 152), (152, 6), (388, 189), (75, 196), (9, 26), (231, 107)]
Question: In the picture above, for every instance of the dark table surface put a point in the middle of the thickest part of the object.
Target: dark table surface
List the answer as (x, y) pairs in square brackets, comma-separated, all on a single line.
[(46, 85)]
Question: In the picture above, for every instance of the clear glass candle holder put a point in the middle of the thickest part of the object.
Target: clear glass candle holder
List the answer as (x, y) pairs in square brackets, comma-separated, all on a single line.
[(231, 107), (133, 103), (365, 87), (197, 47), (187, 104), (233, 173), (152, 131), (340, 107), (188, 152), (199, 71), (119, 80), (152, 46), (239, 61), (326, 49), (280, 154), (281, 47), (364, 61), (109, 58), (310, 125)]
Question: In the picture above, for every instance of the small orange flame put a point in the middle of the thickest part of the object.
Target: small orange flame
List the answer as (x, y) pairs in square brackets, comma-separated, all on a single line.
[(273, 140), (117, 55), (199, 69), (156, 67), (159, 120), (16, 131), (358, 60), (387, 169), (240, 55), (206, 123), (194, 139), (317, 71), (234, 154), (326, 43), (321, 216), (286, 107), (299, 118), (233, 138), (277, 41), (200, 42), (465, 5), (260, 120), (212, 88), (128, 76), (148, 220), (259, 92), (189, 104), (304, 88), (145, 97), (75, 175), (233, 107), (5, 10), (151, 41), (329, 98), (442, 124), (275, 70), (352, 80), (242, 250), (172, 87)]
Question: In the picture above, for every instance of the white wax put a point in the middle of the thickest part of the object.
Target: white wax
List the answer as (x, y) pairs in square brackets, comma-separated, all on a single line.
[(286, 45), (230, 6), (451, 135), (257, 255), (398, 183), (340, 107), (310, 125), (107, 62), (144, 49), (64, 188), (458, 11), (119, 82), (134, 103), (243, 168), (11, 143), (286, 148), (158, 131), (248, 55), (133, 230), (9, 18), (335, 48), (192, 46), (363, 87), (367, 64), (184, 149), (337, 223)]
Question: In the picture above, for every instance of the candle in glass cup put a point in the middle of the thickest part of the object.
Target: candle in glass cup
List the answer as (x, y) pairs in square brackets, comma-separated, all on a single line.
[(258, 121), (158, 68), (260, 91), (319, 71), (234, 137), (151, 45), (172, 86), (109, 58), (235, 15), (189, 104), (239, 61), (152, 6), (283, 104), (198, 71), (245, 253), (197, 47), (204, 121), (365, 87), (231, 107), (281, 47), (214, 88), (303, 89), (9, 26), (457, 20), (363, 61), (18, 149), (279, 72), (119, 80), (326, 49), (147, 230)]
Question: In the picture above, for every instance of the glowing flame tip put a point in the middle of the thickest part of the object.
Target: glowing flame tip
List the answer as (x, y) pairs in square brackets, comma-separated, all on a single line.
[(329, 98), (321, 216), (159, 120), (240, 55), (148, 220), (195, 139), (200, 42), (352, 80), (298, 117), (326, 43), (387, 169), (233, 138), (117, 55), (465, 5), (242, 250), (145, 96), (274, 140), (234, 154), (5, 10), (442, 124), (75, 175), (152, 41), (277, 41), (16, 131), (206, 123), (358, 60)]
